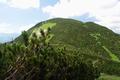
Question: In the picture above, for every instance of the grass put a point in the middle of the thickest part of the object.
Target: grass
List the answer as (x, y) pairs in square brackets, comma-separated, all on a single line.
[(44, 27), (48, 25), (113, 56), (109, 77), (96, 36)]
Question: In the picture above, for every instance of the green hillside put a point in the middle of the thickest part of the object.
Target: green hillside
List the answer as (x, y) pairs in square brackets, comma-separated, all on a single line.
[(80, 35), (86, 39), (89, 38)]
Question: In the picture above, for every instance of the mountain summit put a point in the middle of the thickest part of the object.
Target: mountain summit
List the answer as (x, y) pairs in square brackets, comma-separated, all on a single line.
[(89, 35), (92, 40)]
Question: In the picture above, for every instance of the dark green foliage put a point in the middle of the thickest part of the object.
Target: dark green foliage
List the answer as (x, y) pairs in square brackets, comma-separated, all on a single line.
[(83, 43), (88, 38), (38, 60), (25, 37)]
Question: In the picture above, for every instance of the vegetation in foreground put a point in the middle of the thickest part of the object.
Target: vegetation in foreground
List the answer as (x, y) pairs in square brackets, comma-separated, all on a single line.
[(76, 43), (36, 59)]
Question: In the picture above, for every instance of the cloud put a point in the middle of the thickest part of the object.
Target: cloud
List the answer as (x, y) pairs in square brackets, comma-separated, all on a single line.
[(107, 12), (22, 4), (9, 28)]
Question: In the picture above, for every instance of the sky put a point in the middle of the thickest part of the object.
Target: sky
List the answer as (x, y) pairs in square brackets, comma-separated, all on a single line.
[(19, 15)]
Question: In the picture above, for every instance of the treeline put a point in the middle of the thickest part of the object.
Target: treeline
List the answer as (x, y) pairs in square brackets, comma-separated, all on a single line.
[(37, 59)]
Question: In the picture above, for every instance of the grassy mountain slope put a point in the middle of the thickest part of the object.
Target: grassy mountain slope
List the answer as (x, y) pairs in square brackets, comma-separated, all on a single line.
[(109, 77), (92, 40)]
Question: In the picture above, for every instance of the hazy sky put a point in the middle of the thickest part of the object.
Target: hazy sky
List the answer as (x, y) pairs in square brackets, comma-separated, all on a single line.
[(19, 15)]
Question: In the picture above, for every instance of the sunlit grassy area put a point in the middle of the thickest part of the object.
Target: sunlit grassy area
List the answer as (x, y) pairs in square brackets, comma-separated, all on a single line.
[(48, 25), (44, 27), (108, 77), (113, 56)]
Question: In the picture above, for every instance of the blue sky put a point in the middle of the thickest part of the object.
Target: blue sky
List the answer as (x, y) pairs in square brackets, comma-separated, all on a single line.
[(19, 15)]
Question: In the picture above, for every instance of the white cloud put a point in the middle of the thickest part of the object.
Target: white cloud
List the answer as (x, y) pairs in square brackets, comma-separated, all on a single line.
[(106, 11), (8, 28), (22, 4)]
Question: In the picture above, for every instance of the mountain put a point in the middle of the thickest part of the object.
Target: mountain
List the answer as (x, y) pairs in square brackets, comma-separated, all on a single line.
[(81, 35), (90, 39)]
